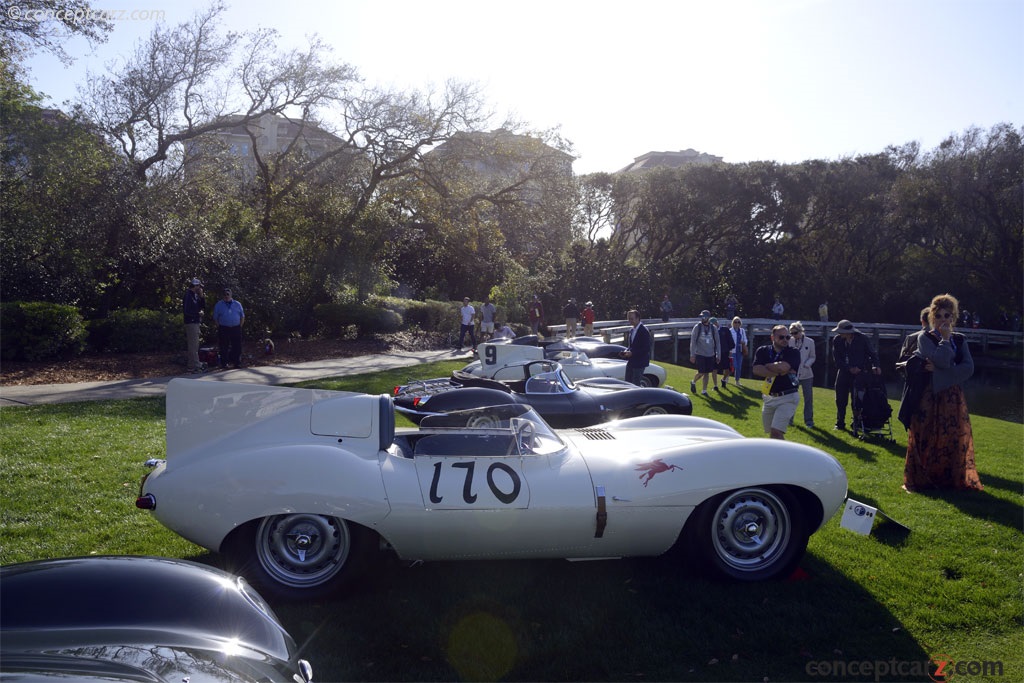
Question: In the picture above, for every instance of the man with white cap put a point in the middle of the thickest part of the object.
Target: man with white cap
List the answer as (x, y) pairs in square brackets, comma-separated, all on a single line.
[(193, 304), (853, 355)]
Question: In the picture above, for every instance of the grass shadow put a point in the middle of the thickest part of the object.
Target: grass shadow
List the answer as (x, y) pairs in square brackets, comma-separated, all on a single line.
[(891, 532), (981, 505), (727, 402), (885, 443), (642, 619), (997, 482), (828, 440)]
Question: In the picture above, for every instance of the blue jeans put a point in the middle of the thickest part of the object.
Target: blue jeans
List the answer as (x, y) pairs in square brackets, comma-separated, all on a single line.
[(737, 362), (462, 335), (634, 374)]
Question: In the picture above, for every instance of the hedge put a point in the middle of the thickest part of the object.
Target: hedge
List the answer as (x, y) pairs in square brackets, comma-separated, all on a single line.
[(135, 330), (38, 330), (429, 316), (335, 319)]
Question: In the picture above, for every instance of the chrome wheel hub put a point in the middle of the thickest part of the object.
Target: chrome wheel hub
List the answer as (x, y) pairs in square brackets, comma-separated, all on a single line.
[(302, 550), (751, 529)]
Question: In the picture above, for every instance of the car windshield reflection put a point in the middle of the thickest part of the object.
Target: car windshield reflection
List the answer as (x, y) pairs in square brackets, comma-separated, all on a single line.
[(519, 423), (553, 382)]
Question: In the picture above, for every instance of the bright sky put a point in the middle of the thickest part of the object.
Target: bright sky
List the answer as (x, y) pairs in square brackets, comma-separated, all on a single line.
[(747, 80)]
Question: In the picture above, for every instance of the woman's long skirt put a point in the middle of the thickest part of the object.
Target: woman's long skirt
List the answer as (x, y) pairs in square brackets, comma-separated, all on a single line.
[(940, 444)]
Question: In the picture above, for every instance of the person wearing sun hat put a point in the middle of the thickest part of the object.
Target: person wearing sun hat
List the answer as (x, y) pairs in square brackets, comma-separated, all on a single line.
[(852, 354)]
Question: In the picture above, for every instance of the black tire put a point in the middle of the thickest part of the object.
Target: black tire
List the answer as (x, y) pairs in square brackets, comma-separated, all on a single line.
[(300, 556), (750, 534), (649, 381)]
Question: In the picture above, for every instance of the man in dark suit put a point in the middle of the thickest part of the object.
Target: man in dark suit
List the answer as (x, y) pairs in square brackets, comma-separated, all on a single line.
[(910, 343), (638, 355), (852, 355)]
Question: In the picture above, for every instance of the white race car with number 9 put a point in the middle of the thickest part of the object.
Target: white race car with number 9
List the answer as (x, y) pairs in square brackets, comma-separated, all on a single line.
[(301, 488)]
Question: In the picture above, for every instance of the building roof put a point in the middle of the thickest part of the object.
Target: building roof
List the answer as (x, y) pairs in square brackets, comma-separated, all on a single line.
[(292, 129), (684, 157)]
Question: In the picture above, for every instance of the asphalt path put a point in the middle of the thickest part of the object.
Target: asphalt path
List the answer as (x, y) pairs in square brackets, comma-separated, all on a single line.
[(37, 394)]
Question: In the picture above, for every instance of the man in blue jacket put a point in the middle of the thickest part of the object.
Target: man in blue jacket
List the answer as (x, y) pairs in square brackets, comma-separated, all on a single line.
[(638, 355)]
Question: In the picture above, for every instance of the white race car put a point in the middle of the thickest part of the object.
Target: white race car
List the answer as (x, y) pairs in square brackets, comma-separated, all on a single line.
[(300, 488), (500, 361)]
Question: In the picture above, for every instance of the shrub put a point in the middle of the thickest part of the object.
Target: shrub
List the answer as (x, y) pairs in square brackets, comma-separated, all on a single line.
[(430, 316), (37, 330), (383, 320), (335, 319), (136, 330)]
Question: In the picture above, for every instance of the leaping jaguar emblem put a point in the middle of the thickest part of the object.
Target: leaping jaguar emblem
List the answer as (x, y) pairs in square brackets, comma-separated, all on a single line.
[(656, 466)]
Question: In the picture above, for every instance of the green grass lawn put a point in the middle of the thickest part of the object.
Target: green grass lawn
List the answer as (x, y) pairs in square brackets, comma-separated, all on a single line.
[(951, 589)]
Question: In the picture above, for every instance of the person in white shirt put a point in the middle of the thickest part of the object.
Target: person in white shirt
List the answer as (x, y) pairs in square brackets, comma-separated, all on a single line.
[(805, 375), (504, 332), (467, 313)]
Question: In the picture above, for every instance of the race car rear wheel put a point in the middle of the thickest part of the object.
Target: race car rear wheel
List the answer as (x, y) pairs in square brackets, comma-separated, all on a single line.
[(649, 381), (300, 556), (750, 534)]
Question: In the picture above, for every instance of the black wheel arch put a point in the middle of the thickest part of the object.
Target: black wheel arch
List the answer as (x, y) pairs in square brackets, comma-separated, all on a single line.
[(468, 398), (808, 508), (238, 556)]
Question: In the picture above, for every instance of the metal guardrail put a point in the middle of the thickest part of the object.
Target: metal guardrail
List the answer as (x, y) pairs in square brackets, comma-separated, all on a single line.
[(679, 329)]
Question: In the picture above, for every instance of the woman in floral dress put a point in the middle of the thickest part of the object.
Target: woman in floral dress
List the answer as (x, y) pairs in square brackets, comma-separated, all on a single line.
[(940, 444)]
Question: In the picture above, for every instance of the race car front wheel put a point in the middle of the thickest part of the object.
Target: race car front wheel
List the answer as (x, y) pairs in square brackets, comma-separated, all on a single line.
[(750, 534), (654, 410), (300, 556)]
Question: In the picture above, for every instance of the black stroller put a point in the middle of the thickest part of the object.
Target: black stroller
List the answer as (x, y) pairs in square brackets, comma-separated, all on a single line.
[(871, 409)]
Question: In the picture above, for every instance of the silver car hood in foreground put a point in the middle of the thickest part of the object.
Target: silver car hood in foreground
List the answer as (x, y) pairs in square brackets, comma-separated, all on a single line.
[(138, 619)]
